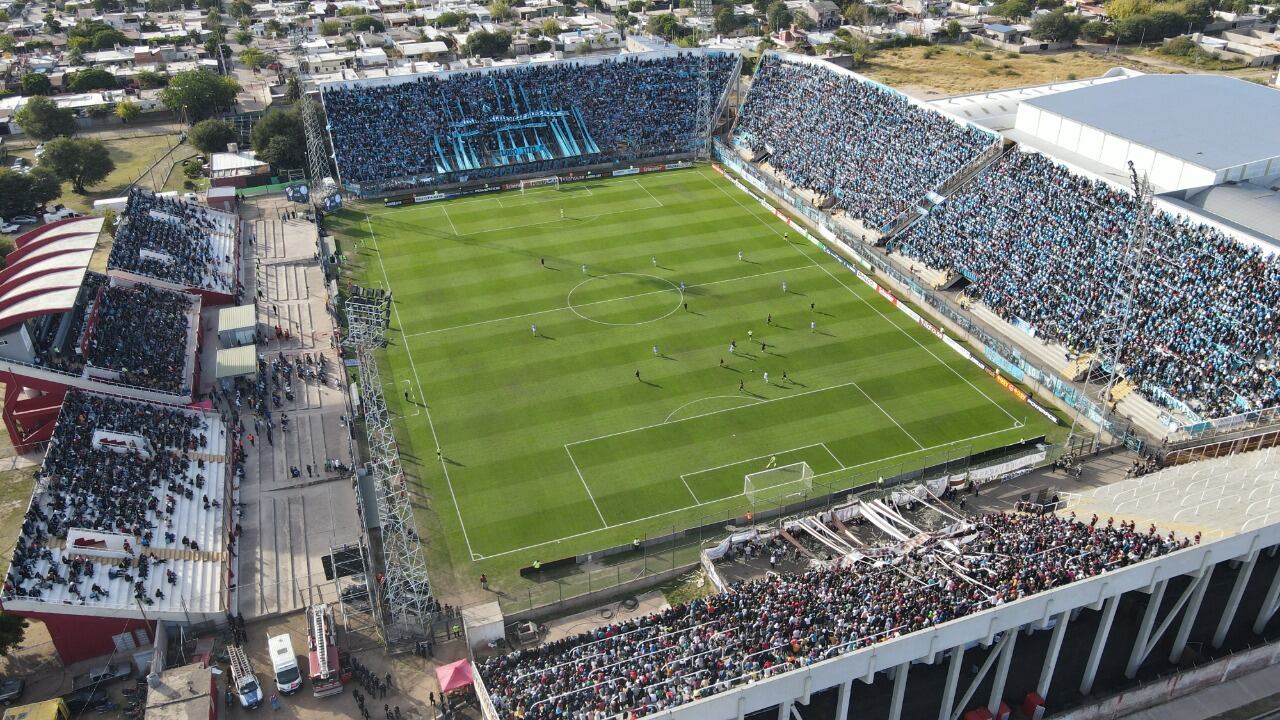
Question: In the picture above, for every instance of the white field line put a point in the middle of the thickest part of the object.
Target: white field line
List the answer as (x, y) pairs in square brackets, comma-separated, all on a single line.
[(647, 191), (597, 302), (540, 191), (691, 494), (575, 536), (450, 219), (422, 396), (892, 419), (833, 455), (585, 486), (865, 302), (712, 397), (758, 457)]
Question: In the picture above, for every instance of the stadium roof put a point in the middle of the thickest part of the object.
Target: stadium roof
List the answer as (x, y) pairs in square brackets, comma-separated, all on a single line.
[(1206, 120), (43, 275)]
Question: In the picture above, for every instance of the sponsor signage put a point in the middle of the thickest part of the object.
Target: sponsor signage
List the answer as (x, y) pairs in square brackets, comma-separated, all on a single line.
[(626, 171)]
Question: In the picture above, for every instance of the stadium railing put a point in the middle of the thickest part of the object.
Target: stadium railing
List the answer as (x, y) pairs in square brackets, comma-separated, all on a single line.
[(995, 348)]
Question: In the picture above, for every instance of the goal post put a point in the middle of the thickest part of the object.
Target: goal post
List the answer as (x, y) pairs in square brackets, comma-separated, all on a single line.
[(776, 482), (552, 182)]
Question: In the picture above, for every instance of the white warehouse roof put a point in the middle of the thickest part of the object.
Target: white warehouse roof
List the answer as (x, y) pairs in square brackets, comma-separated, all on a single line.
[(1212, 122)]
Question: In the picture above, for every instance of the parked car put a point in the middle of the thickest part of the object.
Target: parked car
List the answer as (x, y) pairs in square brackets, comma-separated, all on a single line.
[(39, 150), (11, 689), (23, 220), (87, 699), (8, 228), (59, 212), (191, 197), (20, 162), (103, 675)]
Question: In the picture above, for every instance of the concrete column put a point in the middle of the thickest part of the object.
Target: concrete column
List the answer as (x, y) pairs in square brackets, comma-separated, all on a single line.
[(1138, 654), (1189, 617), (842, 700), (899, 690), (1051, 655), (1099, 642), (953, 679), (1268, 605), (1233, 602), (784, 710), (1002, 673)]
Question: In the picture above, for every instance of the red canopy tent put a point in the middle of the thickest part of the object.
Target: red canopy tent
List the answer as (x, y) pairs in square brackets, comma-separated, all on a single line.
[(454, 676)]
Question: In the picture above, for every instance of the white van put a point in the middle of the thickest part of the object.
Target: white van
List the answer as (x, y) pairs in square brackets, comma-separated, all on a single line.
[(285, 664)]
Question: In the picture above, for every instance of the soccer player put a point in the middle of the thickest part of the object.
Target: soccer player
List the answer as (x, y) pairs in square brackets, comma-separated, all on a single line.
[(784, 287), (721, 362), (741, 387), (766, 377), (733, 346), (749, 334), (561, 213), (769, 320), (739, 256), (653, 260), (813, 326), (534, 328), (784, 376), (655, 351), (543, 261), (584, 268), (637, 374), (681, 286), (810, 307), (773, 462)]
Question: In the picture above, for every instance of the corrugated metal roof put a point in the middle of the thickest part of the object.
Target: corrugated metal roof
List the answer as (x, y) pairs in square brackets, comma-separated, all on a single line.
[(238, 361), (239, 317)]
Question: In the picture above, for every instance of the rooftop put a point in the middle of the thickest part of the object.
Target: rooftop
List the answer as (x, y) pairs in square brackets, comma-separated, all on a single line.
[(1206, 120)]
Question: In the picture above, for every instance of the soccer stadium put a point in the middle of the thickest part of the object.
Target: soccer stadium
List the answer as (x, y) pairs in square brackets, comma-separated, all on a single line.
[(679, 384)]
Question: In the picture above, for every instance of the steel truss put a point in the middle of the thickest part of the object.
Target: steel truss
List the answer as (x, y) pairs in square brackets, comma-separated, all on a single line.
[(407, 604), (323, 185)]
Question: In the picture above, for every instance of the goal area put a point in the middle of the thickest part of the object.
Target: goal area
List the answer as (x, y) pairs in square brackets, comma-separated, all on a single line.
[(551, 182), (770, 484)]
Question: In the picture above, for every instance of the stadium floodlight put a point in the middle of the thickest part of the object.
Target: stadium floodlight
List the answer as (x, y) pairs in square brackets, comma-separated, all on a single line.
[(773, 483), (553, 181)]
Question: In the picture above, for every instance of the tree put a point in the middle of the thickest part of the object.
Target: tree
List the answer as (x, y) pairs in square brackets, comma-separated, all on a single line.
[(243, 37), (255, 58), (12, 629), (128, 111), (15, 196), (82, 161), (43, 185), (42, 119), (778, 16), (350, 11), (665, 25), (7, 43), (452, 19), (1093, 31), (551, 27), (488, 44), (1122, 9), (293, 89), (1058, 26), (725, 20), (856, 13), (329, 28), (212, 136), (91, 79), (802, 20), (953, 30), (51, 24), (1012, 9), (279, 139), (108, 38), (239, 8), (199, 93), (499, 10), (367, 23), (151, 79), (36, 84)]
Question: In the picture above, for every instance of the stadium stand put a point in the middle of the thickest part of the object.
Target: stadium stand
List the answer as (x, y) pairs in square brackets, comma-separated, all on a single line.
[(867, 147), (1040, 245), (759, 628), (129, 506), (143, 334), (181, 244), (477, 124)]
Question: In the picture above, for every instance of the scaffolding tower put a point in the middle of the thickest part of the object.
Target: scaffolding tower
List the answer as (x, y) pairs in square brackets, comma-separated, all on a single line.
[(405, 591), (323, 187), (705, 103), (1114, 326)]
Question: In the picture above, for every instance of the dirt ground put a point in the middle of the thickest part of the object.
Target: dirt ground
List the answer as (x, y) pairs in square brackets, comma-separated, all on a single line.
[(959, 69)]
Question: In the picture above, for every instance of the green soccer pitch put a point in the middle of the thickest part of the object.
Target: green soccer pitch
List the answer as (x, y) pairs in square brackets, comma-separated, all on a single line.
[(552, 446)]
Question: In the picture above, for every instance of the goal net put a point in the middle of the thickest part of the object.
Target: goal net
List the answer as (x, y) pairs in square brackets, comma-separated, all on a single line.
[(773, 483), (551, 182)]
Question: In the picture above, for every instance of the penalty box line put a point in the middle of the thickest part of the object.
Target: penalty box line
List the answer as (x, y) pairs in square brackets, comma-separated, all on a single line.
[(624, 523)]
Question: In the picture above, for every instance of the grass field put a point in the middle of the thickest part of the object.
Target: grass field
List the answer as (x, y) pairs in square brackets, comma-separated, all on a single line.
[(550, 445)]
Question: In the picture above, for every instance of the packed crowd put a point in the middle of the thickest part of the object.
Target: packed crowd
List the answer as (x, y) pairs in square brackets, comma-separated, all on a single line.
[(618, 109), (866, 147), (171, 240), (141, 332), (81, 485), (1041, 246), (766, 626)]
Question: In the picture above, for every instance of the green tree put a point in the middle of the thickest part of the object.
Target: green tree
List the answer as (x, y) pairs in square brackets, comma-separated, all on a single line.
[(107, 38), (551, 27), (51, 24), (36, 84), (1122, 9), (243, 37), (802, 20), (1094, 30), (350, 11), (452, 19), (212, 136), (82, 161), (7, 43), (274, 28), (367, 23), (151, 79), (953, 30), (279, 139), (12, 630), (329, 28), (778, 16), (664, 25), (1012, 9), (128, 111), (239, 8), (199, 93), (255, 58), (15, 198), (488, 44), (293, 89), (43, 185), (42, 119), (91, 79), (499, 10), (725, 21), (1057, 26)]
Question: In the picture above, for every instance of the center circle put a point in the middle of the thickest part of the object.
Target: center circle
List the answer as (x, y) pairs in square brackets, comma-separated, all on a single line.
[(624, 299)]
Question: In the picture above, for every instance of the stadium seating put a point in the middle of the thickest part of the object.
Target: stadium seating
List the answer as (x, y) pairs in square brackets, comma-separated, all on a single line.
[(1041, 246), (762, 627), (142, 333), (867, 147), (489, 123), (171, 500), (175, 241)]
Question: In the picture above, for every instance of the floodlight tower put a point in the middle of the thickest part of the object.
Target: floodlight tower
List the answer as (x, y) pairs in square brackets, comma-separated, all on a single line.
[(323, 186)]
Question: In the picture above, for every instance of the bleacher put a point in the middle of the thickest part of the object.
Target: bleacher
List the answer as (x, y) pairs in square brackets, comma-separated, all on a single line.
[(181, 244), (125, 486)]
